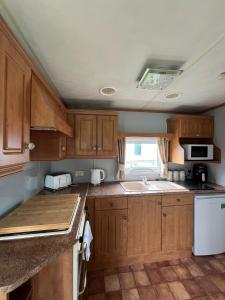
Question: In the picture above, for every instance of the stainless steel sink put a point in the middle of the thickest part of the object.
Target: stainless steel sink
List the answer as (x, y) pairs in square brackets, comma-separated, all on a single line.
[(140, 186)]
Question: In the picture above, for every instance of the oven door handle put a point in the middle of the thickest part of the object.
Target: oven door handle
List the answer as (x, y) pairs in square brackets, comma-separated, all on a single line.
[(84, 286)]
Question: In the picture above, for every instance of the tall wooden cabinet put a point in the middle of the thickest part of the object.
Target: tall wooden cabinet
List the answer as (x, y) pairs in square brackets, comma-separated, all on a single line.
[(15, 78), (95, 135), (144, 224)]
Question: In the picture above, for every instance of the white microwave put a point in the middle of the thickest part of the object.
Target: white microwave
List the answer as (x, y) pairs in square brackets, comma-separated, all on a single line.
[(198, 151)]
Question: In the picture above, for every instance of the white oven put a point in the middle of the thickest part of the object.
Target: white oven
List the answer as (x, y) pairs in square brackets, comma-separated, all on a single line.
[(198, 151)]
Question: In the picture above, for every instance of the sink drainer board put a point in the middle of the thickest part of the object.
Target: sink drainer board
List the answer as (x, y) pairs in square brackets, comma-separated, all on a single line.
[(42, 215)]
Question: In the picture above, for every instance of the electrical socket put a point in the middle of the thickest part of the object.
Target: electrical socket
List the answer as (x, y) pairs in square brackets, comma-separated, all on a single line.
[(79, 173)]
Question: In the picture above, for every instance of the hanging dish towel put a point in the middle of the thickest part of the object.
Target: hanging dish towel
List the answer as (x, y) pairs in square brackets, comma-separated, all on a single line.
[(87, 238)]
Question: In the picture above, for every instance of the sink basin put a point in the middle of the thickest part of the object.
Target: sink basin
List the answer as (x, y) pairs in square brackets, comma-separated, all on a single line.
[(139, 186), (134, 186)]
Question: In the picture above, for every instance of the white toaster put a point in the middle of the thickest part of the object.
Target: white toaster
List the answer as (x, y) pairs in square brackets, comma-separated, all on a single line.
[(57, 180)]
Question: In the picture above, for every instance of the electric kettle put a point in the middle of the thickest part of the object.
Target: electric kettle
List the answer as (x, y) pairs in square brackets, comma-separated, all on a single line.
[(97, 176)]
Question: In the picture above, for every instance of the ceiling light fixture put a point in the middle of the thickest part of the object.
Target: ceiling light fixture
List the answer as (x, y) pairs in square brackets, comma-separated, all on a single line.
[(171, 95), (157, 79), (221, 76), (107, 91)]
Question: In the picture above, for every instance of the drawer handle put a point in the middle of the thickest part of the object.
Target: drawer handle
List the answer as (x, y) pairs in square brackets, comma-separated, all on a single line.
[(124, 217), (164, 214), (111, 204), (178, 199), (94, 148)]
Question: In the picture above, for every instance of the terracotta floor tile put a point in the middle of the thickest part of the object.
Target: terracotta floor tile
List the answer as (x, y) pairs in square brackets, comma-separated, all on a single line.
[(131, 294), (123, 269), (163, 264), (207, 268), (182, 272), (217, 297), (178, 290), (110, 271), (187, 261), (217, 265), (147, 293), (195, 270), (154, 276), (207, 285), (112, 283), (174, 262), (97, 297), (141, 278), (193, 288), (163, 292), (96, 285), (219, 256), (168, 274), (219, 281), (114, 296), (126, 280), (137, 267), (151, 266), (202, 298)]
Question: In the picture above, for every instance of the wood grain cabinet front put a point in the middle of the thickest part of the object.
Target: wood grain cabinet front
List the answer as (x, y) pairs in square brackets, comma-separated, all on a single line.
[(15, 77), (177, 223), (144, 225), (95, 135)]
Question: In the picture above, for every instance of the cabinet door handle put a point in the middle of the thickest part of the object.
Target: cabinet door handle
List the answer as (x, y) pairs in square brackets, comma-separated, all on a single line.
[(99, 148), (159, 202), (63, 148), (111, 204), (178, 199), (94, 148), (29, 146), (124, 217), (164, 214)]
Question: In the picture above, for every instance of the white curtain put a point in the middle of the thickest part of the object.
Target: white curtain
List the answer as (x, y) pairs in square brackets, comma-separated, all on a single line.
[(163, 145), (121, 159)]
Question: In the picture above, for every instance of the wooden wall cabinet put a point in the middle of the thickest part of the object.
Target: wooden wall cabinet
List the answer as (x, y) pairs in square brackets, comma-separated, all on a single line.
[(47, 111), (95, 135), (48, 145), (15, 76), (144, 225), (189, 129)]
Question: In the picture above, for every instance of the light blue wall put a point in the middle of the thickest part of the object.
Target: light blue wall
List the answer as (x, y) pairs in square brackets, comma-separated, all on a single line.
[(19, 187), (217, 171), (128, 121)]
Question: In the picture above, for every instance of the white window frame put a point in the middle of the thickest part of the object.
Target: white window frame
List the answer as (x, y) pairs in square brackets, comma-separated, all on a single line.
[(137, 173)]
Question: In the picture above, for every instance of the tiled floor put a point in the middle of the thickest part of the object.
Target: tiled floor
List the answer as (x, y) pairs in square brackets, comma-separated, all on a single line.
[(200, 278)]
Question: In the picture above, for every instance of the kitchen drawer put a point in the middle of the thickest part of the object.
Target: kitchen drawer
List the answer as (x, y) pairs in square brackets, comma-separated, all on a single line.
[(179, 199), (111, 203)]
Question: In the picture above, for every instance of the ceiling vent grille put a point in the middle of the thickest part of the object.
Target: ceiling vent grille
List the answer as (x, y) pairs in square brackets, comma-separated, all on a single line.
[(157, 79)]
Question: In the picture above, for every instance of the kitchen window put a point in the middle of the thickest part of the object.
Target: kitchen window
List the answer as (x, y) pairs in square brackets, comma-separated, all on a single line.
[(142, 158)]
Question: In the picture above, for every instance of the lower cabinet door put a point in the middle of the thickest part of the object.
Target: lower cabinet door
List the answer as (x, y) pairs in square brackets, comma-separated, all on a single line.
[(144, 225), (110, 233), (177, 227)]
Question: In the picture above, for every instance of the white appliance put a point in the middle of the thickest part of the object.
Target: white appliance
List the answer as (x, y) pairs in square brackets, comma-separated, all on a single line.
[(97, 176), (57, 181), (209, 224), (198, 151)]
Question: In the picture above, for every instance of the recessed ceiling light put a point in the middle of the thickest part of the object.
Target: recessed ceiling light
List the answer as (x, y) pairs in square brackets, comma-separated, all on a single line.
[(172, 95), (107, 91), (221, 76)]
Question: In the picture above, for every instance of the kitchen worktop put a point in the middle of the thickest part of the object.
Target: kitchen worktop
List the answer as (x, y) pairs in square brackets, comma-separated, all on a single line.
[(115, 189), (22, 259)]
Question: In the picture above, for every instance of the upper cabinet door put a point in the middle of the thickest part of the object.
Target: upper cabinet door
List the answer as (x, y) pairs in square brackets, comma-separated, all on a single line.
[(85, 135), (196, 127), (15, 77), (106, 135)]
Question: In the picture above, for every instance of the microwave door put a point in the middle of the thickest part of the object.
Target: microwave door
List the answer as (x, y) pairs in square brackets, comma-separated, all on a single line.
[(199, 152)]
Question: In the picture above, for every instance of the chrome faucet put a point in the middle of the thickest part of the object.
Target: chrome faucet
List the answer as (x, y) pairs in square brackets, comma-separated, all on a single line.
[(144, 179)]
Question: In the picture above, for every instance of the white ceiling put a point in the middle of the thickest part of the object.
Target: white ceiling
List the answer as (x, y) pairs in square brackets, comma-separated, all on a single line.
[(85, 45)]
